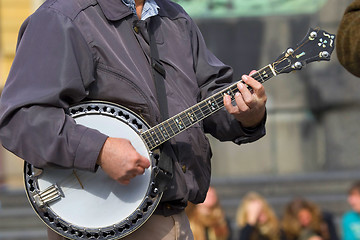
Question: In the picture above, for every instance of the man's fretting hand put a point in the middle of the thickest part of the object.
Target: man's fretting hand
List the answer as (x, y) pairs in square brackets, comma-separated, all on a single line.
[(250, 105), (119, 159)]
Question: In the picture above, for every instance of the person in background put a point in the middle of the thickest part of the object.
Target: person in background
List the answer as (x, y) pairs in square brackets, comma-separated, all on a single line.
[(348, 39), (207, 219), (350, 223), (256, 219), (303, 220)]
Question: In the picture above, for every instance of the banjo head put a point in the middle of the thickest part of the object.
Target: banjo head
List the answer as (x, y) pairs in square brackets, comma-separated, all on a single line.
[(80, 204)]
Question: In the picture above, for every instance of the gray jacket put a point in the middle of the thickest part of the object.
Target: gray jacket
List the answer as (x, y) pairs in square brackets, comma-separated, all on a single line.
[(70, 51)]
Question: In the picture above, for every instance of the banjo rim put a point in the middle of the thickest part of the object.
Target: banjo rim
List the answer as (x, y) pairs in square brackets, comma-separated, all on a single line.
[(117, 230)]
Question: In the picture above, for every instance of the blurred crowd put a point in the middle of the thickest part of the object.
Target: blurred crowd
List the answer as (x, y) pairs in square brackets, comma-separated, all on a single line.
[(301, 219)]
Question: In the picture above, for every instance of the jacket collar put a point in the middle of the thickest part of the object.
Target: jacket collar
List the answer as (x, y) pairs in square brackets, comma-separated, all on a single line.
[(114, 9)]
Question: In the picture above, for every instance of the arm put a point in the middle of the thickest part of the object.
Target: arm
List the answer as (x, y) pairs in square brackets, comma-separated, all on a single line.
[(51, 70), (348, 39), (246, 123)]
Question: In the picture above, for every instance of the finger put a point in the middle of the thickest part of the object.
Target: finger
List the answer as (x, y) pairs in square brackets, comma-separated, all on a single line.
[(130, 175), (143, 162), (241, 105), (252, 72), (124, 181), (228, 105), (140, 170), (247, 96), (256, 86)]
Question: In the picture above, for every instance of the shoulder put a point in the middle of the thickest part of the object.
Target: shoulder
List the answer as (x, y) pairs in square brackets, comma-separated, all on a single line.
[(69, 9), (55, 15), (54, 19), (349, 216)]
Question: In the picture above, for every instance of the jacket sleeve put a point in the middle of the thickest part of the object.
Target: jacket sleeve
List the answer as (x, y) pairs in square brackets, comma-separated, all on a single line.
[(52, 68), (348, 39), (212, 76)]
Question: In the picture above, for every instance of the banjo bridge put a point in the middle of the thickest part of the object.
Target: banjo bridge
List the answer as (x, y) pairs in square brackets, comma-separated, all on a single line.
[(51, 194)]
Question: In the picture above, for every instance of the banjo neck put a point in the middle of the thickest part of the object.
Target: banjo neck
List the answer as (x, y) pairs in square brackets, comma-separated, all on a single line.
[(164, 131)]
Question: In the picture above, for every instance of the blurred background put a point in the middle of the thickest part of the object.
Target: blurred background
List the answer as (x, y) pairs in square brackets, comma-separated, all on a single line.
[(313, 133)]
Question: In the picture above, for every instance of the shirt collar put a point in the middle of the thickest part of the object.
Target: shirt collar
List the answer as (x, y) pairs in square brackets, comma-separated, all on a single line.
[(150, 9), (116, 9)]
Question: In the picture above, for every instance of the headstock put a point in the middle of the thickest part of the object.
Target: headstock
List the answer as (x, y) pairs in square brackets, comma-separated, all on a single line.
[(316, 46)]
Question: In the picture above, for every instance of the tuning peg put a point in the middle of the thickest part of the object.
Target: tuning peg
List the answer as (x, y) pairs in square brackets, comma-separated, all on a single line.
[(297, 65), (289, 52), (313, 34), (324, 54)]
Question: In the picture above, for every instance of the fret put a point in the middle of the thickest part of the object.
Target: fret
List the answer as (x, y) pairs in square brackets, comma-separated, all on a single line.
[(179, 124), (149, 140), (170, 128), (230, 92), (224, 92), (234, 89), (265, 74), (191, 115), (173, 126), (160, 136), (164, 131), (213, 106), (205, 109), (155, 137), (185, 119), (220, 100), (146, 137), (199, 113), (261, 80)]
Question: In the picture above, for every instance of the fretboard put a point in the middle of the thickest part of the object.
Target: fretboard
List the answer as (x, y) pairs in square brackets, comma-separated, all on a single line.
[(162, 132)]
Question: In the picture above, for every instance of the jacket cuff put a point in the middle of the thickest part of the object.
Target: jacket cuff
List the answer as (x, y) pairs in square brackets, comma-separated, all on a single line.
[(87, 152), (251, 134)]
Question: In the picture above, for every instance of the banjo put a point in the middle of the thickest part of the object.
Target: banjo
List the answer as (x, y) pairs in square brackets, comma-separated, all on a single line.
[(84, 205)]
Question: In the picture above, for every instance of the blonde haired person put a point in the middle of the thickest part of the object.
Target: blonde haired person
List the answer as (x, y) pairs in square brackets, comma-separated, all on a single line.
[(208, 220), (303, 220), (256, 219)]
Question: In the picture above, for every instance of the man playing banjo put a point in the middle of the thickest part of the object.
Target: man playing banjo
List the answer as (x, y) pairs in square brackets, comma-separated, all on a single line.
[(71, 51)]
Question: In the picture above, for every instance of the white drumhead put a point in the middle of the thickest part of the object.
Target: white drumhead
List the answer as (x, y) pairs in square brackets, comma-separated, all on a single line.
[(102, 202)]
